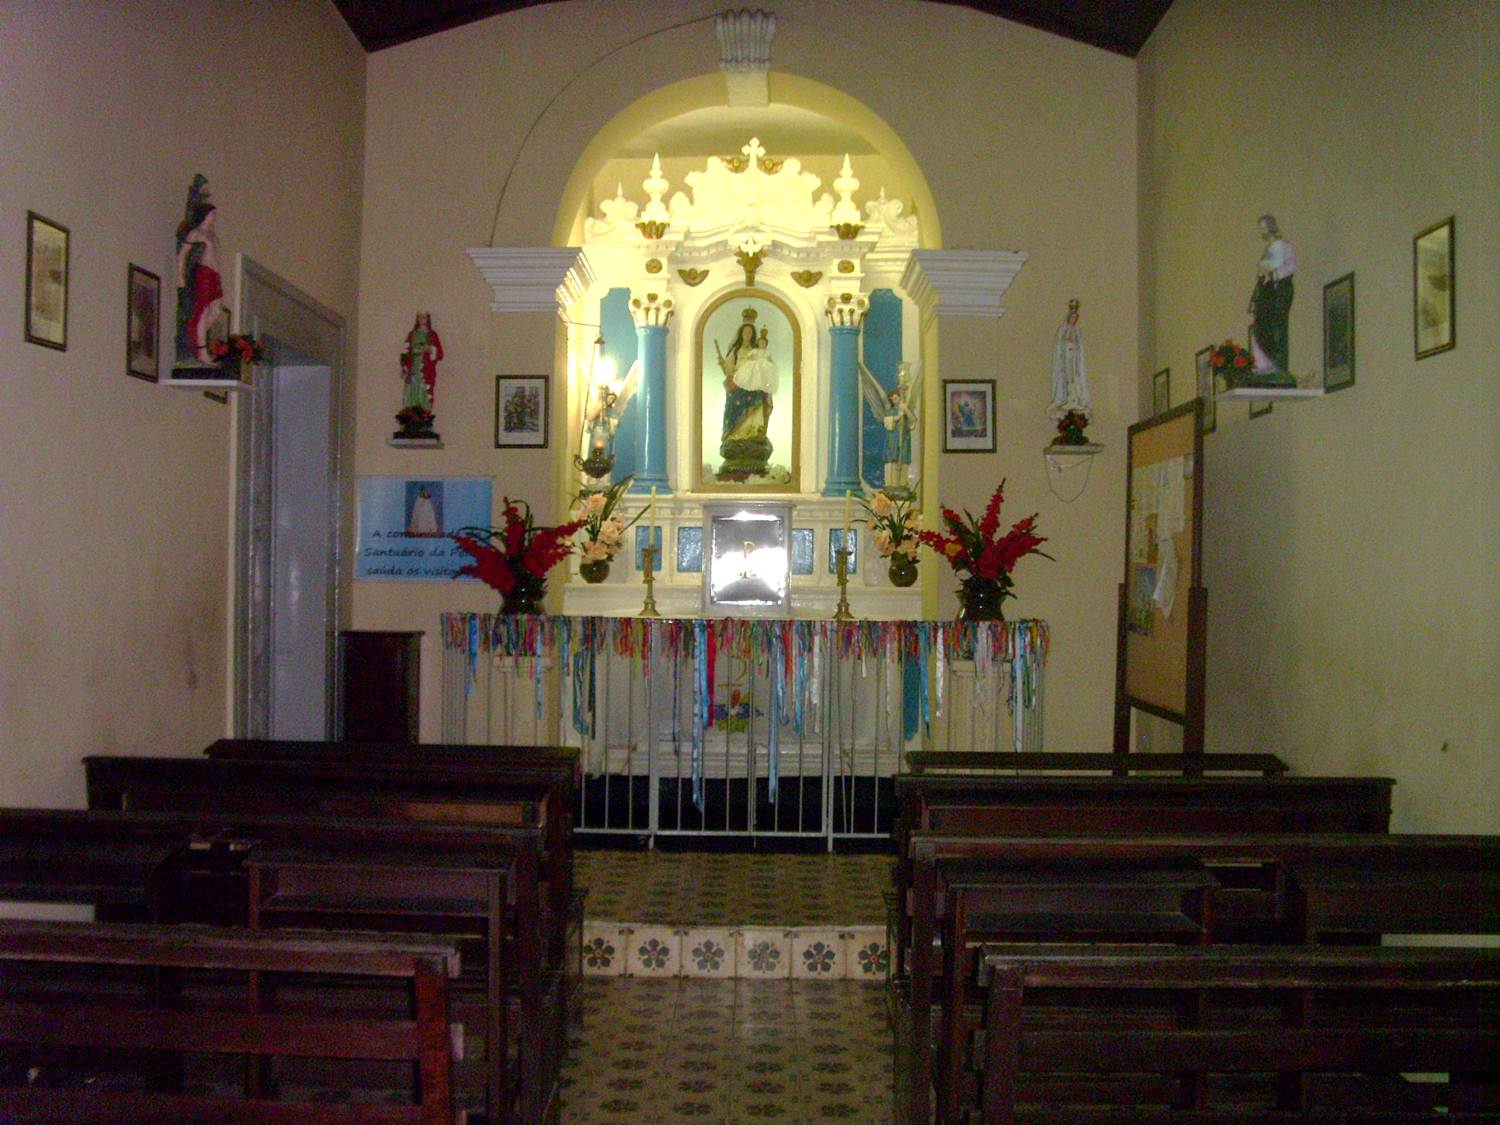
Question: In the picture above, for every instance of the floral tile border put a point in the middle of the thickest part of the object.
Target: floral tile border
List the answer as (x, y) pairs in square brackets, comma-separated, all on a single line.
[(749, 952)]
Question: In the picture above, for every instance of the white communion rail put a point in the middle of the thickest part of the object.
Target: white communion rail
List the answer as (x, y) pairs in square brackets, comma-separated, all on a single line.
[(742, 728)]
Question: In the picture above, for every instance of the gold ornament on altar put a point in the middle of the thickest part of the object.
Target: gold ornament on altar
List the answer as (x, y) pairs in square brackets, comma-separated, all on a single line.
[(807, 278), (693, 277)]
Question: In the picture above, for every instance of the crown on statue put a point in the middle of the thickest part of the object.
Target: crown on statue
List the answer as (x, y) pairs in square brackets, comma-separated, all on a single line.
[(749, 316)]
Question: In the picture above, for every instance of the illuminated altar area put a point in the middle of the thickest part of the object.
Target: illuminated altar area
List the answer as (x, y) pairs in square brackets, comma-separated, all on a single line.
[(753, 267)]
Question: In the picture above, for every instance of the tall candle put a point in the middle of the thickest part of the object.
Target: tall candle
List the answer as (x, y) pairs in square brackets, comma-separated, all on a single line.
[(651, 507), (848, 503)]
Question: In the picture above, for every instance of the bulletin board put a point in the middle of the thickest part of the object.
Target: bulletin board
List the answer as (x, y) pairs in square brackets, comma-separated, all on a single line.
[(1162, 602)]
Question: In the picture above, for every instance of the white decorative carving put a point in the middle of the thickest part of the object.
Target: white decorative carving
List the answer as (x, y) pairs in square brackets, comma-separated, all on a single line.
[(846, 310), (781, 201), (650, 308), (656, 185), (897, 228), (575, 284), (619, 213), (845, 214), (745, 40), (961, 282), (524, 278)]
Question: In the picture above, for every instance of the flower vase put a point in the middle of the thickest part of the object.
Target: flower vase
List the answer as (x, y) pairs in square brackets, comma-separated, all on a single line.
[(525, 597), (980, 599), (594, 571), (903, 570)]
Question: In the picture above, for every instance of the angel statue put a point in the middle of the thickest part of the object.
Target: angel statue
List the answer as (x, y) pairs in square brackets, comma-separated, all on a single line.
[(599, 426), (899, 410)]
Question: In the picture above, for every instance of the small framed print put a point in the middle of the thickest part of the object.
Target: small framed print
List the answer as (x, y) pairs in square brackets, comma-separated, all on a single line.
[(1261, 407), (969, 415), (143, 324), (1338, 334), (1433, 283), (46, 282), (1161, 392), (1205, 373), (521, 411)]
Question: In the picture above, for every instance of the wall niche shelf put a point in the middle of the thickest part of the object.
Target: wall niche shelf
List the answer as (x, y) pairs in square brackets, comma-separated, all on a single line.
[(1271, 394)]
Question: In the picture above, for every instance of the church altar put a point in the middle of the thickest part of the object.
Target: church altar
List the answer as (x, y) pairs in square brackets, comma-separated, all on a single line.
[(783, 722)]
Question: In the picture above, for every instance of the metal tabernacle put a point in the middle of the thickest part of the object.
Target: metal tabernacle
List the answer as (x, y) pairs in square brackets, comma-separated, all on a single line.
[(732, 727)]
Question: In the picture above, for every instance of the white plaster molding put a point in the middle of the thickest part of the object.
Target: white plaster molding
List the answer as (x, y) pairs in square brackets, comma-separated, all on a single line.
[(745, 55), (524, 278), (575, 283), (961, 282)]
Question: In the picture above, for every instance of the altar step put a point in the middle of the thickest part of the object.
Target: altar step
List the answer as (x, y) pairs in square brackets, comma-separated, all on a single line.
[(756, 916)]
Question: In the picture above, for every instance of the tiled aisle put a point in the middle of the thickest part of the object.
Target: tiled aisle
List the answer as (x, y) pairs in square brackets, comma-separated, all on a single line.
[(669, 914), (675, 1051)]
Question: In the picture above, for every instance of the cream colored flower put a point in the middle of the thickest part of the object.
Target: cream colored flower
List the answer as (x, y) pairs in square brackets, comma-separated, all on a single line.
[(593, 504), (594, 551), (611, 530), (907, 547), (882, 541), (881, 504)]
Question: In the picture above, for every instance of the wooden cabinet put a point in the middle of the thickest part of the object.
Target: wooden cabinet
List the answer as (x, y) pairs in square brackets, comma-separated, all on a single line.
[(381, 675)]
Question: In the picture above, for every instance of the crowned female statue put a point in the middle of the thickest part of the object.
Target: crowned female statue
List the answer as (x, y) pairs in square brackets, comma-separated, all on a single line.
[(749, 388)]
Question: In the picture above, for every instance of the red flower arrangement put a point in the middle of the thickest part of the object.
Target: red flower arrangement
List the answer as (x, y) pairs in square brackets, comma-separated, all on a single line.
[(974, 549), (514, 559), (1229, 356), (245, 349)]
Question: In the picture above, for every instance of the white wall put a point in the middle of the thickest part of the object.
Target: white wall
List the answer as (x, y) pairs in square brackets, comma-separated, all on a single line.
[(114, 518), (1352, 544), (1027, 142)]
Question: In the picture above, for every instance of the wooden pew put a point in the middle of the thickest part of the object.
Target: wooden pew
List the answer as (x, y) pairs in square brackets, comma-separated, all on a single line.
[(208, 853), (40, 1016), (1118, 765), (1236, 1035), (457, 792), (970, 889), (560, 768), (1050, 805)]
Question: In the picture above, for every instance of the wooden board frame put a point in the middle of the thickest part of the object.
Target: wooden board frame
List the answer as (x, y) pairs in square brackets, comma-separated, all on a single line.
[(1163, 673)]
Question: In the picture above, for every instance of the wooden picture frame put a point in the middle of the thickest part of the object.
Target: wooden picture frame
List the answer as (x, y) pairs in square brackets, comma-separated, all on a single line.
[(1209, 417), (521, 412), (968, 415), (1161, 392), (1338, 334), (47, 252), (1433, 281), (142, 324)]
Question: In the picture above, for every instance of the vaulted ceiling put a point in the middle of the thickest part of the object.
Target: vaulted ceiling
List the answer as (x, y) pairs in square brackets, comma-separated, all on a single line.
[(1116, 25)]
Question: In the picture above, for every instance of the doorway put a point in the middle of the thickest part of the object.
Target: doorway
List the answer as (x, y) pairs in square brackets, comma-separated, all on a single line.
[(289, 499)]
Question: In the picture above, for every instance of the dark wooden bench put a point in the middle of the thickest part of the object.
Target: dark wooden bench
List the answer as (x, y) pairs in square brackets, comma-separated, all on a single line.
[(1272, 888), (95, 1015), (210, 858), (1235, 1035), (559, 767), (1118, 765), (1049, 805)]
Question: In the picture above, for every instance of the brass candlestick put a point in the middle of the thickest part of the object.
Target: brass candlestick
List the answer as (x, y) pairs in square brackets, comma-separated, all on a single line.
[(648, 562), (841, 571)]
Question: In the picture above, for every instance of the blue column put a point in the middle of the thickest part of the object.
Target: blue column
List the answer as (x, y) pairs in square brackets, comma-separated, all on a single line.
[(651, 394), (843, 411)]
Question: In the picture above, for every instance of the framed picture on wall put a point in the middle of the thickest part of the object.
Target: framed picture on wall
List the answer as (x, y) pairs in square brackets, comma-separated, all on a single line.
[(1338, 334), (1205, 373), (143, 324), (520, 411), (46, 282), (1432, 289), (1161, 392), (969, 415)]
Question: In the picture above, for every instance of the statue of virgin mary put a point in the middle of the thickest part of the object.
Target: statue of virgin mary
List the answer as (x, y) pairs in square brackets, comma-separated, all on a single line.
[(749, 388)]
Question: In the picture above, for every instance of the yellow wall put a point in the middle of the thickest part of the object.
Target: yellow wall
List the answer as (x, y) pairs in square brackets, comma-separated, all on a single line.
[(1027, 142), (116, 493), (1352, 544)]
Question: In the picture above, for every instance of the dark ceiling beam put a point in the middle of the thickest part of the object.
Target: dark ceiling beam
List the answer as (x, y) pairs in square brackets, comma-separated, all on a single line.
[(1122, 26)]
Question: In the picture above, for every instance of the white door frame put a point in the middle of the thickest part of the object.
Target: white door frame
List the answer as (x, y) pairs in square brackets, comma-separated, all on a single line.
[(272, 308)]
